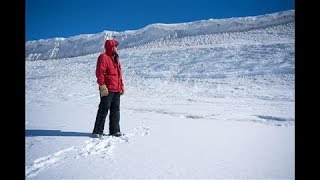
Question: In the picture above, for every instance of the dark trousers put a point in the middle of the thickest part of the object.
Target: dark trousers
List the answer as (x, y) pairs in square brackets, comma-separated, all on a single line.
[(110, 102)]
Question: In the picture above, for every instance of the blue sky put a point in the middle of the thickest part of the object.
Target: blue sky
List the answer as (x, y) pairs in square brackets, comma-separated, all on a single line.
[(64, 18)]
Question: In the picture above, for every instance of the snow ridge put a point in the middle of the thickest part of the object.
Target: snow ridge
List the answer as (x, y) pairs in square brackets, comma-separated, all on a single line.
[(85, 44)]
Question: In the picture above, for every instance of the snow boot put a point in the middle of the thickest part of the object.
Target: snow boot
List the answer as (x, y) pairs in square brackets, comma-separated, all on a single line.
[(117, 134)]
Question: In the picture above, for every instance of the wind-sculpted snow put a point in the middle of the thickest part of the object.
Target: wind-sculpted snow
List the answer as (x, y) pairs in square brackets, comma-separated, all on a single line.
[(85, 44), (205, 59), (64, 47)]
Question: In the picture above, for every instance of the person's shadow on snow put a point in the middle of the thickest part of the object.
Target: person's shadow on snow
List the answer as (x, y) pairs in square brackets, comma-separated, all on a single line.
[(40, 132)]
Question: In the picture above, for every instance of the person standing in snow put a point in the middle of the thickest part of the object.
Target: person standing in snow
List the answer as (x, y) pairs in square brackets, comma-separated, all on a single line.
[(109, 79)]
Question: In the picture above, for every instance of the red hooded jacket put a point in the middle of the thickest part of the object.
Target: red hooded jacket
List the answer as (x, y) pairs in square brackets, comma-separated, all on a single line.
[(108, 71)]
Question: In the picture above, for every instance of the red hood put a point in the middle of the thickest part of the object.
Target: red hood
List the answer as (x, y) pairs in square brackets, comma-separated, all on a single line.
[(109, 46)]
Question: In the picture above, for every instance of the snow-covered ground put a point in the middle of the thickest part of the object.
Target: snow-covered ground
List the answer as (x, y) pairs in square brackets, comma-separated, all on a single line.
[(217, 105)]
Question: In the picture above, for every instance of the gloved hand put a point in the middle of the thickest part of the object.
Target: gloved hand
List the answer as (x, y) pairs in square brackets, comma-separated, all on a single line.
[(122, 91), (103, 90)]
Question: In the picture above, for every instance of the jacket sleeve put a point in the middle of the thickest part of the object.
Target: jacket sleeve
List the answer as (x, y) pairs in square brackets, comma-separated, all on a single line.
[(101, 69)]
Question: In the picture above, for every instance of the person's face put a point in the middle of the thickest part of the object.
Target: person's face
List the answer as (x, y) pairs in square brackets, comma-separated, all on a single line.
[(116, 48)]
